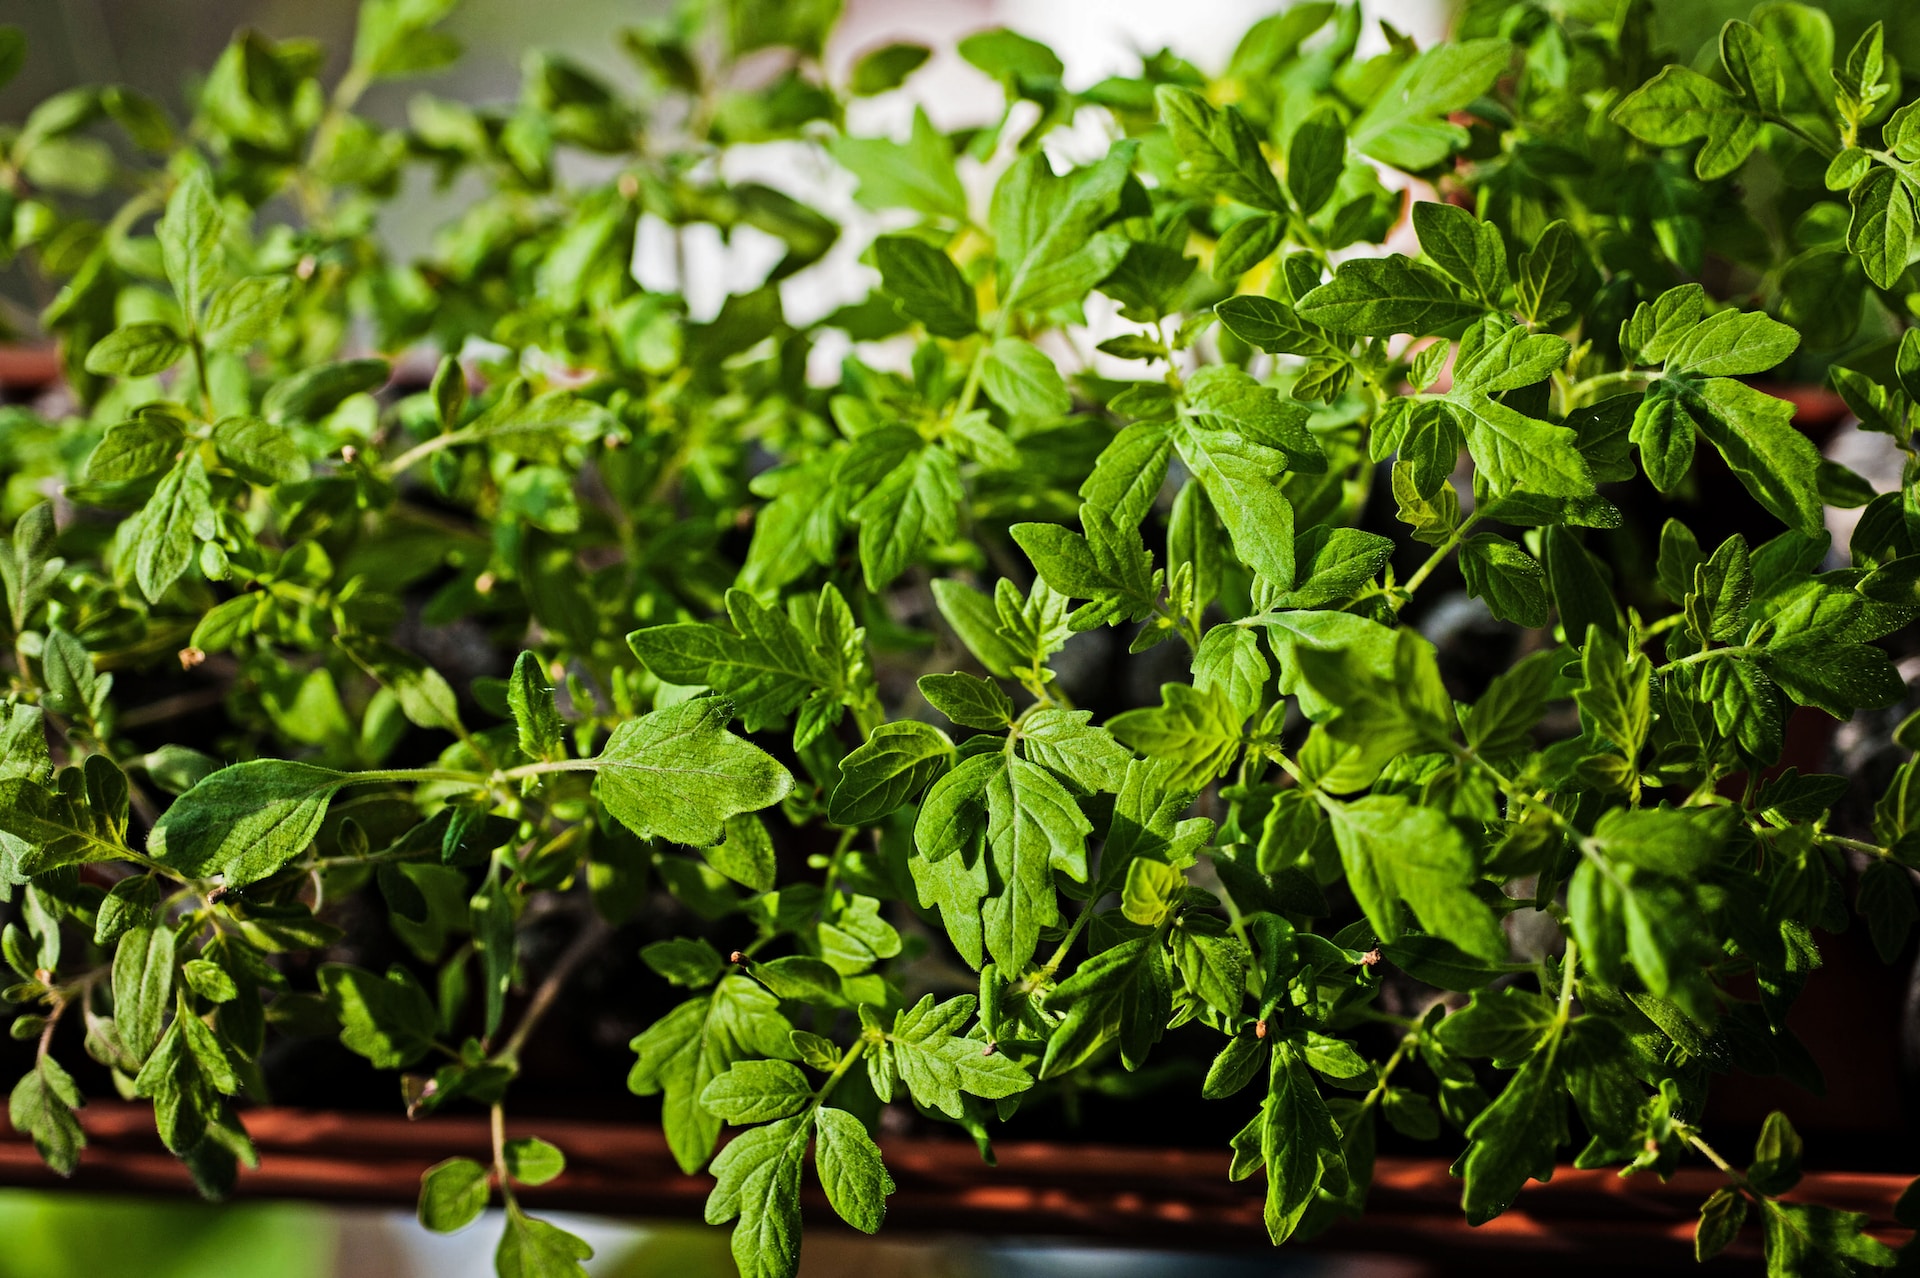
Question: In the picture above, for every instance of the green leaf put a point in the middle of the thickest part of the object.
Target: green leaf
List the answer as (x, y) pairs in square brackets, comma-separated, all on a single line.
[(1880, 232), (1299, 1142), (885, 68), (1776, 1157), (143, 967), (1721, 1217), (1507, 577), (1754, 431), (1513, 1140), (1886, 902), (389, 1020), (1396, 851), (162, 535), (851, 1172), (1275, 327), (536, 719), (1364, 641), (137, 350), (1011, 57), (80, 818), (1614, 696), (918, 174), (189, 234), (697, 1041), (776, 661), (895, 763), (1197, 732), (1241, 480), (926, 285), (1680, 843), (690, 963), (1046, 229), (1466, 248), (1383, 296), (746, 855), (968, 700), (916, 505), (453, 1193), (246, 311), (42, 1106), (757, 1178), (1023, 381), (1124, 993), (1507, 1025), (135, 448), (1066, 743), (1679, 105), (1316, 157), (1219, 151), (259, 450), (1730, 344), (1501, 721), (757, 1092), (532, 1248), (678, 774), (312, 393), (245, 821), (938, 1065), (1512, 451), (1034, 828), (1405, 126), (1820, 1242)]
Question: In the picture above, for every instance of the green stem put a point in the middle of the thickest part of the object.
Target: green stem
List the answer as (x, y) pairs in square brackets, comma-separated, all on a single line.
[(1372, 1098), (405, 461), (839, 1072), (1066, 942), (539, 769), (409, 776), (1705, 654), (1440, 553), (585, 942), (497, 1126), (1824, 147), (1576, 394)]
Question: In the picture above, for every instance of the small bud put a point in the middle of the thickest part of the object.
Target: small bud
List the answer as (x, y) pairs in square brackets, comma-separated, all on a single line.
[(628, 186), (1371, 957), (991, 1048), (307, 266), (349, 454), (484, 583), (736, 957), (557, 672), (213, 897), (191, 657), (1260, 1028), (611, 441), (43, 976)]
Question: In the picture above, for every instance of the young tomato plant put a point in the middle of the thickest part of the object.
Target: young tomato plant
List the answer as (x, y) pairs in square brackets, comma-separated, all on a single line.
[(781, 651)]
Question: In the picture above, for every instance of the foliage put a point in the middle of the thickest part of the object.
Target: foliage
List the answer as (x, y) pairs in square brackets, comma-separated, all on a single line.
[(719, 554)]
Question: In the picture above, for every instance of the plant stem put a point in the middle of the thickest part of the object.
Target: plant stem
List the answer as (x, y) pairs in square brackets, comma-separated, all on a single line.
[(497, 1125), (540, 769), (405, 461), (1440, 553), (839, 1072), (584, 944), (1066, 942)]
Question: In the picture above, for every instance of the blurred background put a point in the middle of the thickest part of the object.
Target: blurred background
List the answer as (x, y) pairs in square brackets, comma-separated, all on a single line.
[(150, 44)]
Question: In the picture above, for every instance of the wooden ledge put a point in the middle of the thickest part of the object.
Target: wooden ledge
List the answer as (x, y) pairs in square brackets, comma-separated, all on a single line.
[(1163, 1197)]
